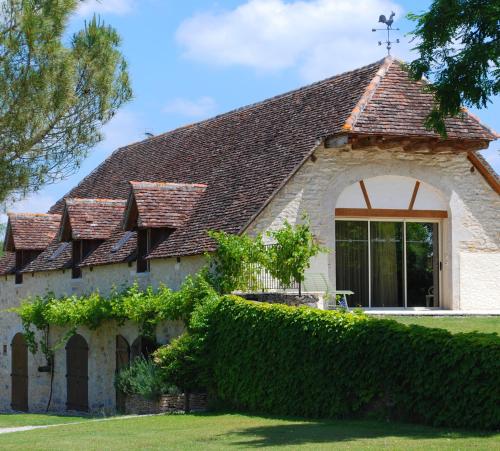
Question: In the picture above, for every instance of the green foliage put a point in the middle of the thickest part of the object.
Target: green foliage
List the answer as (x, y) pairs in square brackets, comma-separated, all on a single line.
[(233, 263), (143, 377), (55, 93), (146, 308), (288, 259), (238, 260), (305, 362), (182, 362), (459, 46)]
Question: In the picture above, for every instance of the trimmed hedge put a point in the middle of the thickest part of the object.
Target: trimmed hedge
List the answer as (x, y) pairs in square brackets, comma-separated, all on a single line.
[(306, 362)]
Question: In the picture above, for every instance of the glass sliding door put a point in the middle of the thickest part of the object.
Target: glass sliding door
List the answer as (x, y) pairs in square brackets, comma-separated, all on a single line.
[(388, 263), (422, 264), (351, 247), (387, 275)]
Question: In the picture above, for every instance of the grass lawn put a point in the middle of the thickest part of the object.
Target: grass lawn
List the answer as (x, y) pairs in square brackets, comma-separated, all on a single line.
[(216, 431), (454, 324)]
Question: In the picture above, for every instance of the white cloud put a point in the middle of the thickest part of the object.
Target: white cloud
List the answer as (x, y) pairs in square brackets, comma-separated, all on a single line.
[(320, 37), (199, 108), (119, 7), (125, 128)]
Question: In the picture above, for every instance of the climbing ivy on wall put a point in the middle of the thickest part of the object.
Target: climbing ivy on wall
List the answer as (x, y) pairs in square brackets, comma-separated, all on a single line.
[(146, 308)]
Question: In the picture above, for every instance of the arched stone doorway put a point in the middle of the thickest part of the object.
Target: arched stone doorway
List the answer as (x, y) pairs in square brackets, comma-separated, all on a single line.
[(387, 242), (122, 361), (19, 377), (77, 352)]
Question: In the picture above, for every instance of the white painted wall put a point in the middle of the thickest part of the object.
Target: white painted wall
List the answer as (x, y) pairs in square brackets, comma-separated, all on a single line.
[(480, 280)]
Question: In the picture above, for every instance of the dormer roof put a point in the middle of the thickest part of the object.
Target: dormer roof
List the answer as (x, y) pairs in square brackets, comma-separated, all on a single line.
[(161, 205), (90, 219), (30, 231)]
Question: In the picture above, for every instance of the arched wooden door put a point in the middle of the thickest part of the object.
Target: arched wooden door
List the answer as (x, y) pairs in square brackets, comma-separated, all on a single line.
[(122, 361), (77, 377), (19, 373)]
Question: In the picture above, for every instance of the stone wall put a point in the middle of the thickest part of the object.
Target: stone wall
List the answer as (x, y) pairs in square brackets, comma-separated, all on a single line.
[(473, 208), (138, 405), (101, 342)]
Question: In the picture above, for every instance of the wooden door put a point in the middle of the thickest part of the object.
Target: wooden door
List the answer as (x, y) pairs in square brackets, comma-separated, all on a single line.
[(77, 353), (122, 361), (19, 374)]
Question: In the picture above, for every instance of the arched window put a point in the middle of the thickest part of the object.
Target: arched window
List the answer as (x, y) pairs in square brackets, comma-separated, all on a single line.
[(19, 378), (77, 353)]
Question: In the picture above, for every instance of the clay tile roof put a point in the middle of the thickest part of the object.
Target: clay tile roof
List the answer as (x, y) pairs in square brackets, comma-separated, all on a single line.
[(246, 155), (120, 248), (30, 231), (91, 219), (7, 263), (164, 204), (56, 256), (395, 105)]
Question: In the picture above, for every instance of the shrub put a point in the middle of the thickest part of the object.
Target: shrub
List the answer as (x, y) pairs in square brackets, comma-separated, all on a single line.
[(300, 361), (144, 378), (182, 362)]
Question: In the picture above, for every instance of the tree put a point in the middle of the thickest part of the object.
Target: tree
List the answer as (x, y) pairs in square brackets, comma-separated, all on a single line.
[(54, 96), (459, 46), (290, 256)]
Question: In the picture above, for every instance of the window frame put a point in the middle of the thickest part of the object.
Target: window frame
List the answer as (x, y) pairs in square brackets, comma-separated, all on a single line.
[(368, 220)]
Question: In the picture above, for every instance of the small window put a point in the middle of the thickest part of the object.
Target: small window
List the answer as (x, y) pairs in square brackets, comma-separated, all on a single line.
[(76, 271), (19, 278), (23, 258), (142, 250), (81, 250), (147, 240)]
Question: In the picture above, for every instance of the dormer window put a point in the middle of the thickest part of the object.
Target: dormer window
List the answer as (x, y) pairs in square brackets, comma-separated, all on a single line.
[(81, 250), (23, 258), (27, 235), (155, 210), (87, 223)]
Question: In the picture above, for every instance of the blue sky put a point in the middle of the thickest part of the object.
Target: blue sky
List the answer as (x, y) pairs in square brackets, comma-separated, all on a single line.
[(192, 59)]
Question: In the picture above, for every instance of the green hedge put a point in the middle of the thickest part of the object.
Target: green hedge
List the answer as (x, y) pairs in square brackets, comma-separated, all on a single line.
[(299, 361)]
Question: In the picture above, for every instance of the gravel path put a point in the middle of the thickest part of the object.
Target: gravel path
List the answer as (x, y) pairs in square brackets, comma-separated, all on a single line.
[(30, 428), (25, 428)]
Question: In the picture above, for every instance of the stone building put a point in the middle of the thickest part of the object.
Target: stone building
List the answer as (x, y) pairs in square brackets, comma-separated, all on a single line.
[(411, 218)]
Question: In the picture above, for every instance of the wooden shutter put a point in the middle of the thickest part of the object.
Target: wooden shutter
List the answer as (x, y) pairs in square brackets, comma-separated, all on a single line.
[(19, 376)]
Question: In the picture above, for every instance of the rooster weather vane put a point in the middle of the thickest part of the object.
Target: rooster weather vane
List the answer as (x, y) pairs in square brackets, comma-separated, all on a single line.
[(388, 23)]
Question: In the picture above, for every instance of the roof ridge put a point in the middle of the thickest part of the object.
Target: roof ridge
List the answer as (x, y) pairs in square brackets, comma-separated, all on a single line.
[(14, 213), (144, 184), (368, 94), (256, 104), (72, 200)]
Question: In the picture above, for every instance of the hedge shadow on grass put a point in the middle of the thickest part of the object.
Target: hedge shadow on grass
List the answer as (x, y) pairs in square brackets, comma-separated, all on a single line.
[(322, 432)]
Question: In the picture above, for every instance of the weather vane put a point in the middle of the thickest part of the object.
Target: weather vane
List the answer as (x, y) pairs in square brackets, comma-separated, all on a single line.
[(388, 22)]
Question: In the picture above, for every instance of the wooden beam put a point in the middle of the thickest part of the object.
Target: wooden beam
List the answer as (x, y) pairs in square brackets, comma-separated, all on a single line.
[(414, 195), (390, 213), (430, 144), (365, 194), (483, 170)]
